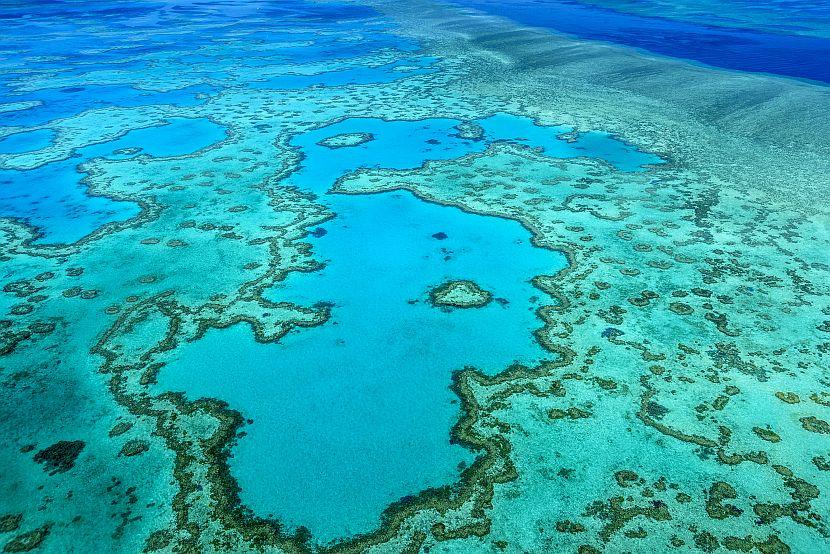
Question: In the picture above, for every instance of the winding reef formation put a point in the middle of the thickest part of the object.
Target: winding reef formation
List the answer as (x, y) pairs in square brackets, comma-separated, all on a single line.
[(695, 290)]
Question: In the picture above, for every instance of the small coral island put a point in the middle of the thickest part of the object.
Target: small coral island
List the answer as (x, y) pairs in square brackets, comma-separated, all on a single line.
[(346, 140), (459, 294)]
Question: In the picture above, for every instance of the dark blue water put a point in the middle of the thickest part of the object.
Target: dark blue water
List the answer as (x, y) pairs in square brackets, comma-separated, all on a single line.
[(800, 56)]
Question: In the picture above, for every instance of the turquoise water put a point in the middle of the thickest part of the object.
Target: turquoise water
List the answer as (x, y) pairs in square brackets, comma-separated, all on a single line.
[(59, 197), (221, 222), (176, 137), (61, 102), (26, 142), (408, 144), (355, 414), (353, 76), (60, 208)]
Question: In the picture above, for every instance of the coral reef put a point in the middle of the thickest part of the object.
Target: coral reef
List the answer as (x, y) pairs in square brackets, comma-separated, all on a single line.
[(459, 294)]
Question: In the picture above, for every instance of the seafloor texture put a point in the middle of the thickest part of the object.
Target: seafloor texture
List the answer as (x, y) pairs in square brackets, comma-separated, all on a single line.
[(226, 225)]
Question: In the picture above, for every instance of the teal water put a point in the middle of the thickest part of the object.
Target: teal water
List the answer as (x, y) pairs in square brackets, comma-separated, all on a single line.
[(355, 414), (28, 141), (179, 136), (353, 76), (53, 198), (408, 144), (692, 410)]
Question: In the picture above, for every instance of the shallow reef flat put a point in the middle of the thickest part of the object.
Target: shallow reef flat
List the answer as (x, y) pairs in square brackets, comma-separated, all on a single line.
[(218, 333)]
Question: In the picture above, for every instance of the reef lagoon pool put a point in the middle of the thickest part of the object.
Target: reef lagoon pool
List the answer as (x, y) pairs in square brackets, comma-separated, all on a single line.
[(414, 276), (353, 415)]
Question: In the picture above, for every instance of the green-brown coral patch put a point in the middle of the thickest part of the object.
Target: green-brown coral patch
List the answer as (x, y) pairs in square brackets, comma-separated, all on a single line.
[(459, 294), (60, 457)]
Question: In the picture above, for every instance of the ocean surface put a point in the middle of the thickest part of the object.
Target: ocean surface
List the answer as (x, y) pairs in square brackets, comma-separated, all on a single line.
[(712, 38), (467, 276)]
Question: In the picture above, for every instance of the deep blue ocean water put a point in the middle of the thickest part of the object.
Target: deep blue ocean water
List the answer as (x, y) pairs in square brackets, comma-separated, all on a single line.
[(781, 53)]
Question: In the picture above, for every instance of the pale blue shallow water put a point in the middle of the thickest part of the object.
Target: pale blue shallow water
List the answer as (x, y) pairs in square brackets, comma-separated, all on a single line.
[(53, 199), (27, 141), (407, 144), (353, 76), (355, 414)]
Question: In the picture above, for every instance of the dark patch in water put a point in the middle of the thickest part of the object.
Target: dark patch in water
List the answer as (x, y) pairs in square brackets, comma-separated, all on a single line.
[(611, 332), (440, 235), (655, 410), (60, 457)]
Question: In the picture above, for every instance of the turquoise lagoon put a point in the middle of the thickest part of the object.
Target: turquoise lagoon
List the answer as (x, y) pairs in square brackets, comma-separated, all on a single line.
[(221, 223), (355, 414), (30, 141), (61, 193)]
